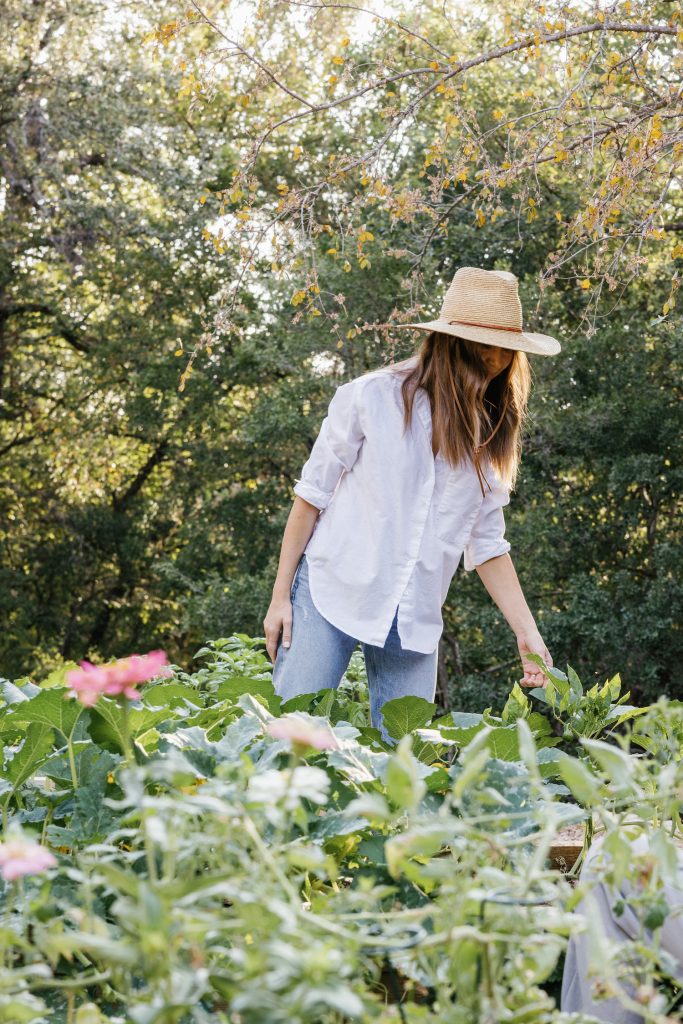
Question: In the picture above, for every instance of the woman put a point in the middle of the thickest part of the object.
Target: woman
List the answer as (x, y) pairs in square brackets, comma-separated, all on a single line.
[(410, 471)]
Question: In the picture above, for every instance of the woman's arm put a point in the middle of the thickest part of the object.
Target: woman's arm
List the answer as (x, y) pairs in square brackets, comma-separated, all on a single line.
[(334, 452), (300, 524), (500, 579)]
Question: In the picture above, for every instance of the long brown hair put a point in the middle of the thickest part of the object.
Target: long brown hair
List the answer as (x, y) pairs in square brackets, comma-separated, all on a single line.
[(454, 375)]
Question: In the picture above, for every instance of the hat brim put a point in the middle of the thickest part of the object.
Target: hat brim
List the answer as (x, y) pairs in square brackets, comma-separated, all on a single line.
[(526, 341)]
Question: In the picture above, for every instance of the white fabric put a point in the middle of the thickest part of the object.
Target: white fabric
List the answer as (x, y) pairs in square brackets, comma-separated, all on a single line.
[(395, 521)]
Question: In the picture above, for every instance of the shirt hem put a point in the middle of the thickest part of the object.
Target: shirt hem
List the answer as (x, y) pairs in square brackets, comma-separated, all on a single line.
[(353, 633)]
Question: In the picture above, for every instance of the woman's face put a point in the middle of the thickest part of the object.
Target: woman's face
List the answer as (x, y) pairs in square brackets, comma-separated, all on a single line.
[(496, 358)]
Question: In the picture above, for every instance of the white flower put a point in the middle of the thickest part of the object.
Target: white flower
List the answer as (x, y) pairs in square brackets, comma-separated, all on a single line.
[(289, 787)]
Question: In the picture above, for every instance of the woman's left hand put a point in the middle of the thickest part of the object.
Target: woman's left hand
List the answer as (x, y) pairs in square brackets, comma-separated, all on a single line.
[(532, 643)]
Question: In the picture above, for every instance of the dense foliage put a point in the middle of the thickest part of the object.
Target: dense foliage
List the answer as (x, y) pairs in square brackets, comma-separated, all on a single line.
[(219, 857), (136, 515)]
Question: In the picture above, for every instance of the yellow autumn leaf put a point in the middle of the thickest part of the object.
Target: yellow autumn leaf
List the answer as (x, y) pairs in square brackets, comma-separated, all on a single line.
[(498, 114), (298, 297), (481, 218)]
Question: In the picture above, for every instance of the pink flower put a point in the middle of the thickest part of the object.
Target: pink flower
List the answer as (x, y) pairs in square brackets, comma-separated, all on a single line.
[(302, 732), (20, 857), (90, 682)]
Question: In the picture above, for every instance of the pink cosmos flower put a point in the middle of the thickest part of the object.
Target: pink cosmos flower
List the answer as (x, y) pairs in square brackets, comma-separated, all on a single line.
[(20, 857), (90, 682), (302, 732)]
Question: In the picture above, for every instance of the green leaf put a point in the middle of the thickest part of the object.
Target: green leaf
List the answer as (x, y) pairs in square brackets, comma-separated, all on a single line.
[(584, 785), (615, 762), (171, 695), (322, 705), (12, 694), (463, 728), (35, 749), (58, 677), (504, 743), (404, 783), (301, 702), (423, 842), (616, 715), (517, 705), (574, 682), (548, 762), (233, 688), (106, 723), (472, 770), (92, 818), (335, 823), (53, 708), (526, 745), (404, 714)]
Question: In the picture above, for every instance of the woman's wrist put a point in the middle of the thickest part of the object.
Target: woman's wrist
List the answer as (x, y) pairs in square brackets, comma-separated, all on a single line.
[(282, 590), (526, 631)]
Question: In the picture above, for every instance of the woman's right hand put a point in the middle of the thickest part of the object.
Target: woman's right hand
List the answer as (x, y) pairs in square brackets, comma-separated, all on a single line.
[(278, 620)]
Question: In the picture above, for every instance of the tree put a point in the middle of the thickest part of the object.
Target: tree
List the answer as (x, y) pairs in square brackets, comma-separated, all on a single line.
[(499, 104)]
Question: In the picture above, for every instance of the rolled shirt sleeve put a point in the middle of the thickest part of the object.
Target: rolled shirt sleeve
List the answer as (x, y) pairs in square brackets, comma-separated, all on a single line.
[(487, 539), (335, 450)]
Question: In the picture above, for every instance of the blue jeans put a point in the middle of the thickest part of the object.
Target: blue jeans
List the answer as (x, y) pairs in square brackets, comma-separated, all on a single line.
[(320, 653)]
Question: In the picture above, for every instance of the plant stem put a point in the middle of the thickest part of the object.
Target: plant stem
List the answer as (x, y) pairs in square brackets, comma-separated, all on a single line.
[(125, 733), (72, 763)]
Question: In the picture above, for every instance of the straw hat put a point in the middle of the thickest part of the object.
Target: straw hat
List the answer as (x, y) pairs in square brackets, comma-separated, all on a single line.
[(484, 306)]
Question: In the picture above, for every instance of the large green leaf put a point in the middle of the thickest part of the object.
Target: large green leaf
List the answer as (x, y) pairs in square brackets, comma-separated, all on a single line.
[(619, 765), (461, 727), (405, 714), (53, 708), (171, 694), (503, 743), (35, 749), (233, 688), (106, 723), (584, 785), (335, 823), (92, 817)]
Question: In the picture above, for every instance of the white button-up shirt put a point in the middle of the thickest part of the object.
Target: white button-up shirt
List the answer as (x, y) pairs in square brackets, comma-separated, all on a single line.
[(395, 519)]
